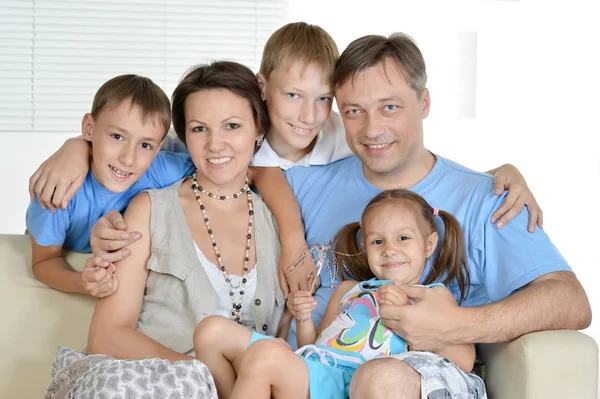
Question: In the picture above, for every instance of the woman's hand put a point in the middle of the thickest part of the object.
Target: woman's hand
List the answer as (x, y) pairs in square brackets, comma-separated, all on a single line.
[(507, 177), (57, 180), (301, 304), (98, 278)]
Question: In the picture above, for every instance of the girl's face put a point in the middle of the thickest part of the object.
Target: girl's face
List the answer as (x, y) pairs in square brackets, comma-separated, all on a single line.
[(395, 245), (220, 135)]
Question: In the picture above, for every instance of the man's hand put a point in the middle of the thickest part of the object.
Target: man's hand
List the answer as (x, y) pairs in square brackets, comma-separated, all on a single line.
[(301, 304), (509, 178), (109, 236), (390, 294), (424, 325), (57, 180), (98, 278), (297, 278)]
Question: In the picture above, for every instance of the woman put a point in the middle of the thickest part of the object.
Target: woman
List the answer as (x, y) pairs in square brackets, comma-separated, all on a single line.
[(209, 245)]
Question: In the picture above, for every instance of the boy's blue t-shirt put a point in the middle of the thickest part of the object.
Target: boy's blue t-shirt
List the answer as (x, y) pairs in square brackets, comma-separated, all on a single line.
[(71, 227), (500, 260)]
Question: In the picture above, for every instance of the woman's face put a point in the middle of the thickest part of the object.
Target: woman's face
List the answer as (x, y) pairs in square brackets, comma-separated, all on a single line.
[(220, 135)]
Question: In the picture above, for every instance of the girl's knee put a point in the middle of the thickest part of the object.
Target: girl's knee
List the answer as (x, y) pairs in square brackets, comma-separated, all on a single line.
[(210, 330), (262, 356)]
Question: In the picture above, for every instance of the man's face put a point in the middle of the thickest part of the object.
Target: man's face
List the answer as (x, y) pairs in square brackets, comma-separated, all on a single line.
[(299, 101), (383, 117)]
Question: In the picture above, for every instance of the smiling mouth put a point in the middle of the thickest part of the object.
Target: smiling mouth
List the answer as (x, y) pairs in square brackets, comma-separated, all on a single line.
[(219, 161), (377, 146), (119, 173), (393, 265), (301, 131)]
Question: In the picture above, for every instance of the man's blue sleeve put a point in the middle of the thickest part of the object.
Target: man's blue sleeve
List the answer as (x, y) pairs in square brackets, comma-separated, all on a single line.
[(46, 227), (512, 257), (169, 167)]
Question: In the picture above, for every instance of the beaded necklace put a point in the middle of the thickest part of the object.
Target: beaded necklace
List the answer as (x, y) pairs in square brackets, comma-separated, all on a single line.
[(236, 304)]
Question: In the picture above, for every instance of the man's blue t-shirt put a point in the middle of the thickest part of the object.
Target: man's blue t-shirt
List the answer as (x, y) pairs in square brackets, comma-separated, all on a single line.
[(500, 260), (71, 227)]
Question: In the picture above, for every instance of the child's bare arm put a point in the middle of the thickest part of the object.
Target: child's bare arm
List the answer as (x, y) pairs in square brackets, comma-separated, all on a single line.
[(50, 267), (333, 306), (57, 180), (275, 190)]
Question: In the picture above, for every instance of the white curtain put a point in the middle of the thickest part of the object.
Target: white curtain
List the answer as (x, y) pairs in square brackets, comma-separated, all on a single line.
[(54, 55)]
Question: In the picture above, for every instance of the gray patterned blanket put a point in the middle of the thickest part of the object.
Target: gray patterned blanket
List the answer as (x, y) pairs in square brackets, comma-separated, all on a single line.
[(76, 375)]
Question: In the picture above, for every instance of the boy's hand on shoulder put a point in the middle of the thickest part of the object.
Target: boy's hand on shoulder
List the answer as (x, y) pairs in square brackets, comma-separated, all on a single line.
[(98, 278), (508, 177), (298, 277), (109, 236), (57, 180), (301, 304)]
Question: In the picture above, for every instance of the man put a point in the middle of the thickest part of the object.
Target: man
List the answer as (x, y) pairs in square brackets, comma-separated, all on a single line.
[(519, 281)]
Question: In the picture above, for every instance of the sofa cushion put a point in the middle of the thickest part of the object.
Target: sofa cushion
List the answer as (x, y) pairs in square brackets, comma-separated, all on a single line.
[(35, 320)]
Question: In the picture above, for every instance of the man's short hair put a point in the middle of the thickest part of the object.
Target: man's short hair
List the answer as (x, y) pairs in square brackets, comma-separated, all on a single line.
[(142, 91), (368, 51), (299, 42)]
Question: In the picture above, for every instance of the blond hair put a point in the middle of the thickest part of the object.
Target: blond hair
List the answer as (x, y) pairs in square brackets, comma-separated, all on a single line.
[(299, 42)]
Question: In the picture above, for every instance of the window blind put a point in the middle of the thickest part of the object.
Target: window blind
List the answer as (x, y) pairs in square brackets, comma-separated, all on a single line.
[(56, 54)]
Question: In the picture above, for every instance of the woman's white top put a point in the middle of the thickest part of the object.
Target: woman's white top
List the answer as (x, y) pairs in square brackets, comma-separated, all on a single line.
[(224, 308)]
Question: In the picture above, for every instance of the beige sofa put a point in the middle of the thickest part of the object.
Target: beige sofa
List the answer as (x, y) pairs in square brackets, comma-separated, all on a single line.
[(36, 319)]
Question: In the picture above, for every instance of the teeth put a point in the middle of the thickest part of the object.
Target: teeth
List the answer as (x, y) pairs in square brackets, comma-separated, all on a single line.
[(377, 145), (300, 130), (119, 173), (219, 161)]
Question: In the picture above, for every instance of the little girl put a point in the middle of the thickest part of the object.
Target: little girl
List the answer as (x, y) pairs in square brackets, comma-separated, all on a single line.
[(398, 233)]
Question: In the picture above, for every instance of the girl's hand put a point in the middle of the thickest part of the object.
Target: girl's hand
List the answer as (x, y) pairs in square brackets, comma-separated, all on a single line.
[(98, 277), (509, 178), (390, 294), (301, 304)]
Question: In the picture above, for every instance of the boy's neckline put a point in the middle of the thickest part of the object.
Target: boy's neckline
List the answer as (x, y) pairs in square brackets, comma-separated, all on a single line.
[(295, 155)]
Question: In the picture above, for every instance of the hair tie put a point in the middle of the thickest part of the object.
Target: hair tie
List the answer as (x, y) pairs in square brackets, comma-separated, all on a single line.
[(436, 211)]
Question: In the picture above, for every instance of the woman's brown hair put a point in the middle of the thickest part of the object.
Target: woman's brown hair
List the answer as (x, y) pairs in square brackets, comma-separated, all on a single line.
[(451, 261), (225, 75)]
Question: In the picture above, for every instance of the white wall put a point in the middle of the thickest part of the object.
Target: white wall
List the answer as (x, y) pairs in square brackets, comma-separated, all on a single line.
[(537, 96), (536, 104)]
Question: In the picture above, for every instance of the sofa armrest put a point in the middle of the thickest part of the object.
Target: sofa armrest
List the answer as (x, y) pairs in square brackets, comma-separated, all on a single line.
[(542, 365)]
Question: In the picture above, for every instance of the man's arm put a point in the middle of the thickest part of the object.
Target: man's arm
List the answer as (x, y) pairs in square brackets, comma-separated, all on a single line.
[(554, 301)]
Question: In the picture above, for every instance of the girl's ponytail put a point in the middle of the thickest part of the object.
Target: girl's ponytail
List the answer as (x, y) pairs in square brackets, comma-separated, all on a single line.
[(452, 259), (350, 258)]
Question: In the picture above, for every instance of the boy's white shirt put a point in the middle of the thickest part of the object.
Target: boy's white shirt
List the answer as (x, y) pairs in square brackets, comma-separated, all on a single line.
[(331, 146)]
